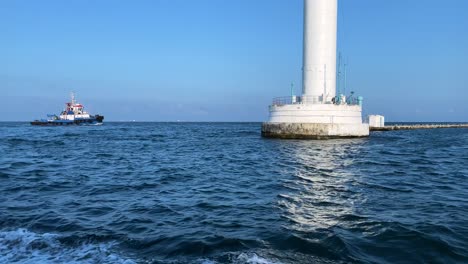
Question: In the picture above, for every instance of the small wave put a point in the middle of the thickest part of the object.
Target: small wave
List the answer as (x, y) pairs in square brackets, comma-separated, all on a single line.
[(253, 259), (68, 134), (104, 155), (17, 140), (248, 133), (23, 141), (240, 258), (23, 246), (4, 175), (20, 164)]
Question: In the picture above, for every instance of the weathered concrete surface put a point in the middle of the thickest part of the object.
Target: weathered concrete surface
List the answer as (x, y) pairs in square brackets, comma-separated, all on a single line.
[(411, 127), (313, 130)]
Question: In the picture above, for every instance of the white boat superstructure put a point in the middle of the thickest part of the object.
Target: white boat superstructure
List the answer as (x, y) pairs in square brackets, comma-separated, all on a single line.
[(74, 110)]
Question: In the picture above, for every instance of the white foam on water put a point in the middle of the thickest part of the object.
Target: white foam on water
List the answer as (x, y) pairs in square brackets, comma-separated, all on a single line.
[(245, 258), (207, 261), (253, 259), (26, 247)]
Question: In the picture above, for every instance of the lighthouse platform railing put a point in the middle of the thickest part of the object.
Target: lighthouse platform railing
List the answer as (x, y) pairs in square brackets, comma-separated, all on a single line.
[(292, 100)]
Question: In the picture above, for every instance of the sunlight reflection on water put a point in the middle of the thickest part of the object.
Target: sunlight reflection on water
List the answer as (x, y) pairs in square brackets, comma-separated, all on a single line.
[(322, 189)]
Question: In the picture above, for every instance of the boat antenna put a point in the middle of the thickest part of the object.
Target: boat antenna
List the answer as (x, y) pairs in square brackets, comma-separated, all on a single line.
[(73, 100)]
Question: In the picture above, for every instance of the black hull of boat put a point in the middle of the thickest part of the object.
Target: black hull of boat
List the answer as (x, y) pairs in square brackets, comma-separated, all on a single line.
[(97, 120)]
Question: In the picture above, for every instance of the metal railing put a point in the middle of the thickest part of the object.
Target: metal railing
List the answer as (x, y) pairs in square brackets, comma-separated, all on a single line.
[(291, 100)]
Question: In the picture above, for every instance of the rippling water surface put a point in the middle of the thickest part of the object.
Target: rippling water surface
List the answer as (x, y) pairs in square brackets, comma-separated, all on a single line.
[(219, 193)]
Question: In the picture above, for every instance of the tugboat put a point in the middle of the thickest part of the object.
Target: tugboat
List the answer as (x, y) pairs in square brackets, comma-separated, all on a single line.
[(73, 114)]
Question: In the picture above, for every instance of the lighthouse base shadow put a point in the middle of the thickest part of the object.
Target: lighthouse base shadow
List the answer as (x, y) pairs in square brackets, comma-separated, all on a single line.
[(313, 130)]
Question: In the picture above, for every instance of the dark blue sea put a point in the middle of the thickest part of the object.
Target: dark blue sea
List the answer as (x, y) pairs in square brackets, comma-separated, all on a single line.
[(220, 193)]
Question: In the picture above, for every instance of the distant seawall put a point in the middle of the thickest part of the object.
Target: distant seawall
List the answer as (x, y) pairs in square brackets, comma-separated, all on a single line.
[(417, 126)]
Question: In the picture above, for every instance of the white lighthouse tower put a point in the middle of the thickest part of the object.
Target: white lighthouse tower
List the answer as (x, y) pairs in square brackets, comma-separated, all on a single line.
[(319, 57), (319, 113)]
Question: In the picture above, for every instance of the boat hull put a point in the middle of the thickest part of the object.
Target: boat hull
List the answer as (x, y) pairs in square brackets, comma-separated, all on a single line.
[(97, 120)]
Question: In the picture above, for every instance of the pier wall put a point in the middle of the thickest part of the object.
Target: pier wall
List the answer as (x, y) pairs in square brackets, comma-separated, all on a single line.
[(412, 127)]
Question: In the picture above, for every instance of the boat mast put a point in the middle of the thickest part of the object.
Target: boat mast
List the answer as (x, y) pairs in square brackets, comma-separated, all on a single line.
[(73, 98)]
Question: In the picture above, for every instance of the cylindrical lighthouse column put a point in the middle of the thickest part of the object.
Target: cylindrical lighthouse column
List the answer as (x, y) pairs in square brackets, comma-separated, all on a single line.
[(319, 61)]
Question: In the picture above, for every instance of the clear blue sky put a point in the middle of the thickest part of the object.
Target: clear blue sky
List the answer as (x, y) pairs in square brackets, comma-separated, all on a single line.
[(224, 60)]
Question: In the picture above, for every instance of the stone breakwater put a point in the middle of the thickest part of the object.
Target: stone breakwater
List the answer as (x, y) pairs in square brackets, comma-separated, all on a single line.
[(419, 126)]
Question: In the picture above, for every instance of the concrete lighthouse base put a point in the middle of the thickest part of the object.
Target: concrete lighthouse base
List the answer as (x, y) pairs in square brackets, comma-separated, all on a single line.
[(313, 131), (315, 121)]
